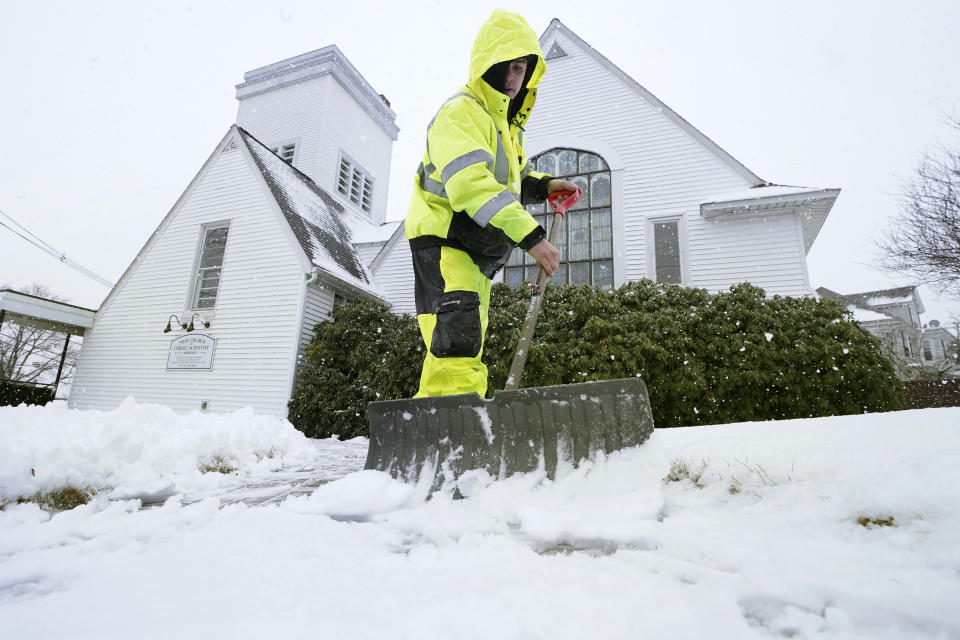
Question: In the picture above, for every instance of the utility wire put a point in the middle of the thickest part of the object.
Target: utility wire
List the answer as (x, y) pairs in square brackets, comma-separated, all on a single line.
[(59, 255), (36, 241), (25, 230)]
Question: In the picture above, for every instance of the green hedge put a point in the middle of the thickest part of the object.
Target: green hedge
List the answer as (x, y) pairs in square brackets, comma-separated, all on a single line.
[(706, 358), (14, 393), (923, 394)]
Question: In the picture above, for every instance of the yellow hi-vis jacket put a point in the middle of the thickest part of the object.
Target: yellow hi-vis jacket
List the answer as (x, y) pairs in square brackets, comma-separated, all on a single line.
[(466, 194)]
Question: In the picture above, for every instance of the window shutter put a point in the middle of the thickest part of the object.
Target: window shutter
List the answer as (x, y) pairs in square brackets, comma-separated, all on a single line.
[(354, 183), (367, 199)]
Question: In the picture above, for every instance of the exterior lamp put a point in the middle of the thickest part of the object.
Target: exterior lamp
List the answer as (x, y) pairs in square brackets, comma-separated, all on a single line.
[(206, 325), (183, 325)]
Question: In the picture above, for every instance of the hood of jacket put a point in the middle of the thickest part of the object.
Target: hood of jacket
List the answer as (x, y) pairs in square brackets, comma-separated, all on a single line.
[(505, 36)]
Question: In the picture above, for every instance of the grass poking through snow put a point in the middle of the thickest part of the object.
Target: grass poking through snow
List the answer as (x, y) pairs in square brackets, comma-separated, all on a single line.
[(680, 470), (753, 476), (217, 464), (870, 523), (62, 499)]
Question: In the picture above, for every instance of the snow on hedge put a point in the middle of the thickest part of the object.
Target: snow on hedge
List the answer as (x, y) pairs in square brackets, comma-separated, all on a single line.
[(138, 450)]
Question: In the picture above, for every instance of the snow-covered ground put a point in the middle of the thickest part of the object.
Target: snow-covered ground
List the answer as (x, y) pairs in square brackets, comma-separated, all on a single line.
[(843, 527)]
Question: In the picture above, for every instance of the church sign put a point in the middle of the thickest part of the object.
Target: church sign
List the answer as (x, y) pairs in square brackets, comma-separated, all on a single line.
[(191, 352)]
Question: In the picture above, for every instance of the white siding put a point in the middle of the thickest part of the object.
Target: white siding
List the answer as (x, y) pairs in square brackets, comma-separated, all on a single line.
[(257, 317), (317, 308), (667, 171), (347, 126), (323, 118), (291, 113), (393, 273), (763, 250)]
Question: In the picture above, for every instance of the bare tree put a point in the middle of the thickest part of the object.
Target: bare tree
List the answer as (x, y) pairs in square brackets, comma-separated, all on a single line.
[(923, 241), (31, 354)]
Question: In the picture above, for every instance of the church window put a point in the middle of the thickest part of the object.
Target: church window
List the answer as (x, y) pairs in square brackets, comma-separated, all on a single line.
[(666, 252), (586, 236), (213, 245)]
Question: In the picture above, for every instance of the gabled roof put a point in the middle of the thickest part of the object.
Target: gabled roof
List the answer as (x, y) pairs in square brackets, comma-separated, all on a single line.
[(823, 292), (886, 297), (869, 315), (398, 233), (315, 217), (876, 300), (556, 26), (860, 312), (813, 204)]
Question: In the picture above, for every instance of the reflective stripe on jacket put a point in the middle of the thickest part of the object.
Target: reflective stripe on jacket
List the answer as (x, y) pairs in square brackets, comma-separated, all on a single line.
[(467, 189)]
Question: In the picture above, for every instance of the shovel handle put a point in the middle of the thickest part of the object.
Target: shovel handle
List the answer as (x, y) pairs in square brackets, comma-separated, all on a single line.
[(569, 199), (533, 309)]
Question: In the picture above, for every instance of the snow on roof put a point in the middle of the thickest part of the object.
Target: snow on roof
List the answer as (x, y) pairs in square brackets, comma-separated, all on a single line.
[(886, 297), (785, 192), (884, 300), (866, 315), (363, 231), (317, 220), (880, 298)]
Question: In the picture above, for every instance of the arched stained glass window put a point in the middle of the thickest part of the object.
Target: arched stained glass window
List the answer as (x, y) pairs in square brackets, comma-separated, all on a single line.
[(586, 237)]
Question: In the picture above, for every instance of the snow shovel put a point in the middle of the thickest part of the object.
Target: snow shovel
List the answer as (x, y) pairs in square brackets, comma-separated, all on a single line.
[(517, 430)]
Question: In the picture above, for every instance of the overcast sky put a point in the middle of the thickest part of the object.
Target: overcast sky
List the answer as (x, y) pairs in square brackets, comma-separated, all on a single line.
[(109, 109)]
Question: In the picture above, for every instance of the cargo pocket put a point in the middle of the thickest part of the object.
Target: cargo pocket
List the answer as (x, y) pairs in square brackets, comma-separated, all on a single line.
[(457, 333)]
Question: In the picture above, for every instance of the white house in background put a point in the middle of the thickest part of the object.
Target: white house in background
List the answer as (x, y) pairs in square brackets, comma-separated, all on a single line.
[(893, 316), (264, 240), (662, 200)]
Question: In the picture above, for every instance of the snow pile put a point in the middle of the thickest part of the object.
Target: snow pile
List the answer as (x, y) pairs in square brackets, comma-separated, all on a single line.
[(139, 450), (844, 527), (798, 528), (358, 495), (896, 465)]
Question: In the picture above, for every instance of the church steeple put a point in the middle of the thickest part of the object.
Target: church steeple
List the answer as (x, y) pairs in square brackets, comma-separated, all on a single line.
[(319, 114)]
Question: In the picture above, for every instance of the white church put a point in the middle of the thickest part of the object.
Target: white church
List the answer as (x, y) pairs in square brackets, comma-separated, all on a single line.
[(288, 215)]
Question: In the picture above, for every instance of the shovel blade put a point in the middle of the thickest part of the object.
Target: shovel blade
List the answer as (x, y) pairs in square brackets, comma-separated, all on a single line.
[(515, 431)]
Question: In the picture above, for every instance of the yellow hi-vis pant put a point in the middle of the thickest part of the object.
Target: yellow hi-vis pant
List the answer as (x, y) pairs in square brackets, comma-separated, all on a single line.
[(453, 298)]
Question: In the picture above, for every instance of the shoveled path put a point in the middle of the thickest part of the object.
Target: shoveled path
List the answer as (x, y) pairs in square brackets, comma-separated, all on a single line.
[(334, 460)]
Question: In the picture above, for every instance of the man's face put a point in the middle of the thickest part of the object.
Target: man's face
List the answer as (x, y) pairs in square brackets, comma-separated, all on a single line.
[(516, 72)]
